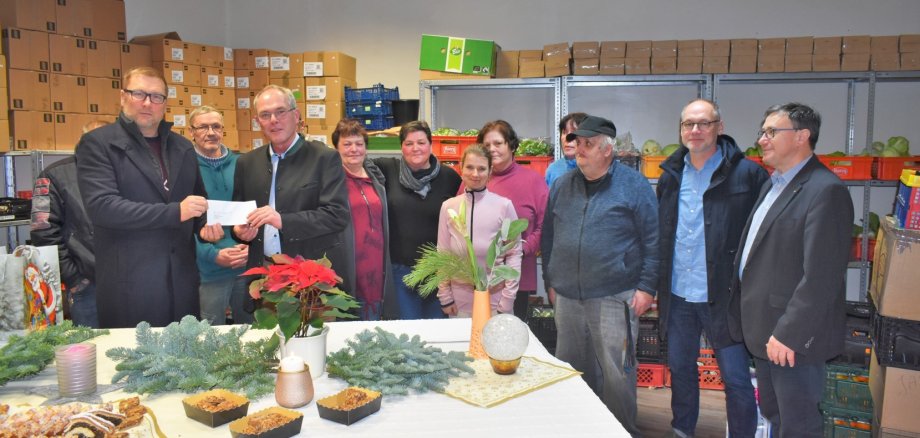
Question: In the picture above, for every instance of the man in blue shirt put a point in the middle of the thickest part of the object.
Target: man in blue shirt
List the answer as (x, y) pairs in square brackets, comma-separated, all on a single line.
[(706, 192), (557, 168)]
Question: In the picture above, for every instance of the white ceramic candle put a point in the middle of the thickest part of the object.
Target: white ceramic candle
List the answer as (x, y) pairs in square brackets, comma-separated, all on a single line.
[(292, 364)]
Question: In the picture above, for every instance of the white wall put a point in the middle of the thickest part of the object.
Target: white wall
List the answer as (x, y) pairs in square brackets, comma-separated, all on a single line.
[(384, 34)]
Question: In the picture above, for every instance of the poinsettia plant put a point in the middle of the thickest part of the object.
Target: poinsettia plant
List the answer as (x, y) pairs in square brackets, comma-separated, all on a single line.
[(298, 295)]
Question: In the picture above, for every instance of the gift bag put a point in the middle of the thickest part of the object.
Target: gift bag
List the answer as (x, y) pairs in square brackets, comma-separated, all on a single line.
[(30, 287)]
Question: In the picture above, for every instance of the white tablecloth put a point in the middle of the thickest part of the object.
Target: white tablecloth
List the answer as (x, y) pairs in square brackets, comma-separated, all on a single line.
[(565, 409)]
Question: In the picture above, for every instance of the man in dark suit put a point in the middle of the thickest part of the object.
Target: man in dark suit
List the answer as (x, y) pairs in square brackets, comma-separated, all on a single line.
[(145, 198), (788, 296), (299, 188)]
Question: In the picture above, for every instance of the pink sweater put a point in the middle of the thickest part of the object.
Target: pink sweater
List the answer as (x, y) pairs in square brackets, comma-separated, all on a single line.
[(489, 210)]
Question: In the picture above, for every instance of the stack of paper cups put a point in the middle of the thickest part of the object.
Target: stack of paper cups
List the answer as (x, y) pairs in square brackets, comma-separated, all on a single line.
[(76, 368)]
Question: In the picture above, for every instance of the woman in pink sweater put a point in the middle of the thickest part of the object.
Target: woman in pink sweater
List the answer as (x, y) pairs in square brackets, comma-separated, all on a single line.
[(485, 213)]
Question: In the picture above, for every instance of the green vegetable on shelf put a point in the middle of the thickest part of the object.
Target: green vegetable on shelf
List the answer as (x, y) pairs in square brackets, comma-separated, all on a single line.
[(651, 148), (670, 149), (469, 133), (534, 147), (445, 132)]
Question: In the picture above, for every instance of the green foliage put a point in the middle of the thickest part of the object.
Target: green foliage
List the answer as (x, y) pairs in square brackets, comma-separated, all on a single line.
[(533, 147), (26, 355), (190, 356), (435, 267), (381, 361)]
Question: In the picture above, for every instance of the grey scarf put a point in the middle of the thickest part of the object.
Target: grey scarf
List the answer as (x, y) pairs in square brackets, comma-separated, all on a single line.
[(423, 184)]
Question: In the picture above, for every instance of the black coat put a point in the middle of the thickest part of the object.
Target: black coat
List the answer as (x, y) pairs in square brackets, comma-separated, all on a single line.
[(727, 202), (145, 257)]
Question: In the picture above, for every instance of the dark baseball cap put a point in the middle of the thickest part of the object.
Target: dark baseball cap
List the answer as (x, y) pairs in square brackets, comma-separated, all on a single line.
[(591, 126)]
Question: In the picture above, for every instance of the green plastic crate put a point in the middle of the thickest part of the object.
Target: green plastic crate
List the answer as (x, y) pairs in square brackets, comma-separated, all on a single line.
[(847, 387), (383, 144), (846, 423)]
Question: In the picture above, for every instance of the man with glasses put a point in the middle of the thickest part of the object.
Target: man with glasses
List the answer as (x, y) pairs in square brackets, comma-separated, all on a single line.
[(787, 299), (600, 259), (220, 263), (299, 187), (143, 193), (706, 192)]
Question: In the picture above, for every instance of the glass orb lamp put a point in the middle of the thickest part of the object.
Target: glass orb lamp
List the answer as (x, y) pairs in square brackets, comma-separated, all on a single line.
[(505, 338)]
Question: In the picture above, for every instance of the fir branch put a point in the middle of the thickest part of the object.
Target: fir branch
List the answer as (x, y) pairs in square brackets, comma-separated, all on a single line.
[(26, 355), (435, 267)]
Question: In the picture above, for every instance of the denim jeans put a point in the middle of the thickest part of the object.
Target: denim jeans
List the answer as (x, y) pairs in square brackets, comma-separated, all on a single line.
[(686, 321), (83, 307), (215, 296), (789, 398), (411, 305)]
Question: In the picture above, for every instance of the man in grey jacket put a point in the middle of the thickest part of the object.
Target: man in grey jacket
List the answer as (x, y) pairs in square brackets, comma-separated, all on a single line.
[(600, 258)]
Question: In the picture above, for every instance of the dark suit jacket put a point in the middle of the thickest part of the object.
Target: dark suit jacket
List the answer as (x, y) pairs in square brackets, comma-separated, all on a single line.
[(145, 257), (793, 285), (310, 195)]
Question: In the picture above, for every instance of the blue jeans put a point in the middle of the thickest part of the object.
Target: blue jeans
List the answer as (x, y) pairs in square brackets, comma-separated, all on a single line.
[(215, 296), (789, 398), (686, 321), (411, 305), (83, 307)]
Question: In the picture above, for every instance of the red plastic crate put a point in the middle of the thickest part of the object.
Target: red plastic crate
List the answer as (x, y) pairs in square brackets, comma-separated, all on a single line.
[(537, 164), (710, 376), (450, 147), (650, 375), (889, 168), (849, 167), (856, 250)]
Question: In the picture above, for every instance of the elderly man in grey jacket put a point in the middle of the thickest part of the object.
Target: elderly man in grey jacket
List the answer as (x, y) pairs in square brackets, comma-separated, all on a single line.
[(600, 259)]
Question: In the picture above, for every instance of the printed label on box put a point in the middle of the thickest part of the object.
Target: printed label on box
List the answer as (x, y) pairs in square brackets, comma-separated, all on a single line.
[(256, 143), (229, 82), (196, 100), (312, 69), (178, 54), (213, 80), (255, 125), (316, 111), (242, 102), (177, 76), (316, 92), (261, 62), (320, 138), (280, 63), (179, 120), (242, 82), (228, 54), (170, 92)]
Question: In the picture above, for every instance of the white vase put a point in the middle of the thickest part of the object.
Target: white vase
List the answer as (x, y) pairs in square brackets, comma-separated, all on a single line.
[(311, 349)]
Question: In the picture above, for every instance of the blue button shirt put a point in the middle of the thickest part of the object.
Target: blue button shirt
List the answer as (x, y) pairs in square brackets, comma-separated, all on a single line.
[(689, 276), (272, 236)]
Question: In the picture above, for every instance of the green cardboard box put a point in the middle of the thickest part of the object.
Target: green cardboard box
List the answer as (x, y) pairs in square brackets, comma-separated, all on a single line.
[(458, 55)]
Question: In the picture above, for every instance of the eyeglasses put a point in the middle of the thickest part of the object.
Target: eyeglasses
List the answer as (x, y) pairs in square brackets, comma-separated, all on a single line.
[(140, 96), (703, 126), (771, 132), (267, 116), (217, 128)]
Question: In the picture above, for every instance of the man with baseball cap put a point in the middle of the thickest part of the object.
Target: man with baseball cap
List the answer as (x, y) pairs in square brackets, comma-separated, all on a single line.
[(600, 258)]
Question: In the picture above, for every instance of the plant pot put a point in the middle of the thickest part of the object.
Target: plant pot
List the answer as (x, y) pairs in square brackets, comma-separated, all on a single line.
[(482, 311), (312, 349)]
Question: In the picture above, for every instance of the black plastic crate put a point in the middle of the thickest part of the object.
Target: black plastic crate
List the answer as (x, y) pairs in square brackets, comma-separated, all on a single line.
[(377, 92), (847, 387), (633, 161), (375, 123), (541, 318), (846, 423), (896, 342), (378, 108), (650, 348)]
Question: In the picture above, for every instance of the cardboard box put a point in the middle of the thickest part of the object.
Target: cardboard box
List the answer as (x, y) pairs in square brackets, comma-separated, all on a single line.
[(689, 64), (213, 56), (449, 54), (555, 70), (228, 60), (664, 66), (714, 48), (856, 44), (229, 117), (530, 54), (828, 45), (322, 113), (68, 128), (194, 98), (798, 62), (174, 72), (3, 67), (910, 61), (26, 49), (220, 99), (613, 49), (771, 46), (74, 18), (29, 14), (4, 106), (32, 130), (5, 140), (231, 139), (109, 20), (586, 50), (296, 85), (883, 44), (664, 49), (135, 55), (279, 64), (251, 140), (103, 59), (742, 63), (164, 47), (320, 133), (431, 75), (69, 94), (243, 119), (612, 66), (192, 53), (637, 65), (693, 48), (715, 64), (67, 54), (29, 90), (885, 61), (507, 64), (557, 51), (895, 396), (771, 63), (800, 45), (744, 47), (103, 95), (586, 67), (327, 88), (531, 68), (909, 43), (854, 62), (638, 49), (250, 59), (342, 65), (192, 74), (557, 63), (825, 62), (177, 115), (211, 77), (244, 98), (254, 80), (895, 275), (177, 95)]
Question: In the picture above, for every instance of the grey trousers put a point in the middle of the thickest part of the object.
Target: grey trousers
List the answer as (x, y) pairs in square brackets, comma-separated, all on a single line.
[(592, 337)]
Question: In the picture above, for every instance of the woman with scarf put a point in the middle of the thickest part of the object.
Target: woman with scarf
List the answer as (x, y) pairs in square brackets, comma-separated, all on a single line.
[(416, 186)]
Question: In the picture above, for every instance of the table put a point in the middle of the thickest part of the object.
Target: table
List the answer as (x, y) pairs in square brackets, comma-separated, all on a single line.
[(567, 408)]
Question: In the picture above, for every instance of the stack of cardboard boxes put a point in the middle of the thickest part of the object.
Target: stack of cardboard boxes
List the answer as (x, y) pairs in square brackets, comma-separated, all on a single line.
[(325, 76), (586, 55), (65, 61), (252, 70), (4, 105)]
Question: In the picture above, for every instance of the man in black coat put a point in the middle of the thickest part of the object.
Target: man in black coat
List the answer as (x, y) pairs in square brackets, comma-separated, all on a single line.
[(787, 300), (142, 191)]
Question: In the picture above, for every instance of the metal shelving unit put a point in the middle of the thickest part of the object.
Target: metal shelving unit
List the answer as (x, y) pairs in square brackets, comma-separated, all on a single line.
[(36, 164)]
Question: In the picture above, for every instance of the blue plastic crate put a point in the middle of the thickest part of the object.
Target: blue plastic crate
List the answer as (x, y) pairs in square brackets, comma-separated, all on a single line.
[(376, 123), (378, 108), (372, 94)]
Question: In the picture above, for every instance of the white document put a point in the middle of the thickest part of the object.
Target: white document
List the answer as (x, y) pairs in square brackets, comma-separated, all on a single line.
[(229, 212)]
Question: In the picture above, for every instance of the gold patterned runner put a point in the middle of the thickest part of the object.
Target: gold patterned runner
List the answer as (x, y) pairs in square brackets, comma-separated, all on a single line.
[(487, 389)]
